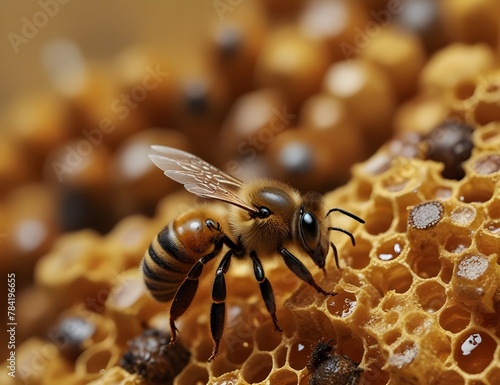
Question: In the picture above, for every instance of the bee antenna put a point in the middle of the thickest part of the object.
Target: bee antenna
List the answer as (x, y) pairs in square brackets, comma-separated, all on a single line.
[(349, 214), (345, 232), (336, 254)]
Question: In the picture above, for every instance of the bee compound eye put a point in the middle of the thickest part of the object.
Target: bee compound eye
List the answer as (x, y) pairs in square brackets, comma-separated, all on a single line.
[(309, 227)]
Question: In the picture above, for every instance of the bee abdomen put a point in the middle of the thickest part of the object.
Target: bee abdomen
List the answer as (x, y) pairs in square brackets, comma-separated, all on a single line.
[(165, 265)]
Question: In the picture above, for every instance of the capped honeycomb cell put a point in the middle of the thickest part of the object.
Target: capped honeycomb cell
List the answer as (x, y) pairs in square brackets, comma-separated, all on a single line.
[(390, 249), (475, 281), (472, 267), (425, 215)]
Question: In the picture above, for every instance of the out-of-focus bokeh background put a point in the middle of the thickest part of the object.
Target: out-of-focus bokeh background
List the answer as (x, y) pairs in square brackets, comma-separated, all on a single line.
[(102, 31), (298, 90)]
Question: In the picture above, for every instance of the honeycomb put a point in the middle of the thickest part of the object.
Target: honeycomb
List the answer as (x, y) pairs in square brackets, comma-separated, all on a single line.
[(418, 296)]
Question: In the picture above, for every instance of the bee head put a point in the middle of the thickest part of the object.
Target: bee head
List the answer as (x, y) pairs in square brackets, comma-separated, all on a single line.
[(310, 229)]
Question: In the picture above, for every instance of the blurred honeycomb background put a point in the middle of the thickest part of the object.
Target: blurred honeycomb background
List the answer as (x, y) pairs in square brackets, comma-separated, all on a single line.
[(390, 108)]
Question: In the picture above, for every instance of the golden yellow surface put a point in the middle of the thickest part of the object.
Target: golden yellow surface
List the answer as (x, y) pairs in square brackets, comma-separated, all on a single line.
[(418, 295)]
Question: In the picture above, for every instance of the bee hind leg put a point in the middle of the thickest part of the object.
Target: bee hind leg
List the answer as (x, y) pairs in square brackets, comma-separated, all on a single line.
[(218, 310), (301, 271), (266, 289), (187, 290)]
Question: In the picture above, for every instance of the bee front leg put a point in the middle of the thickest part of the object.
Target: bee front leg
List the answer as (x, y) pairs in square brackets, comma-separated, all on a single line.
[(266, 290), (218, 311), (187, 290), (301, 271)]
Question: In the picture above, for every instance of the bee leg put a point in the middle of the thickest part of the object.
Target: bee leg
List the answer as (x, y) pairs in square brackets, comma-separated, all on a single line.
[(187, 290), (217, 318), (266, 289), (301, 271), (218, 311)]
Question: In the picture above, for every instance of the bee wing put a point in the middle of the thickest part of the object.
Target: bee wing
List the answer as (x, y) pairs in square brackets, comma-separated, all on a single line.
[(199, 177)]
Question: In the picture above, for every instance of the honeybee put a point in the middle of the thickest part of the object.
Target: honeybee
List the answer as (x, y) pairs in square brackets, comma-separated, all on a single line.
[(258, 219)]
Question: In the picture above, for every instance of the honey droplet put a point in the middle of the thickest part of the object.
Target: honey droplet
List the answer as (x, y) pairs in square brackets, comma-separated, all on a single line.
[(471, 343), (493, 227), (472, 267), (475, 351), (343, 304), (389, 251)]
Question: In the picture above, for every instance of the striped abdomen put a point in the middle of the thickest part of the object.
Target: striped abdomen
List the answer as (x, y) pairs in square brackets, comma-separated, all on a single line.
[(173, 252)]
